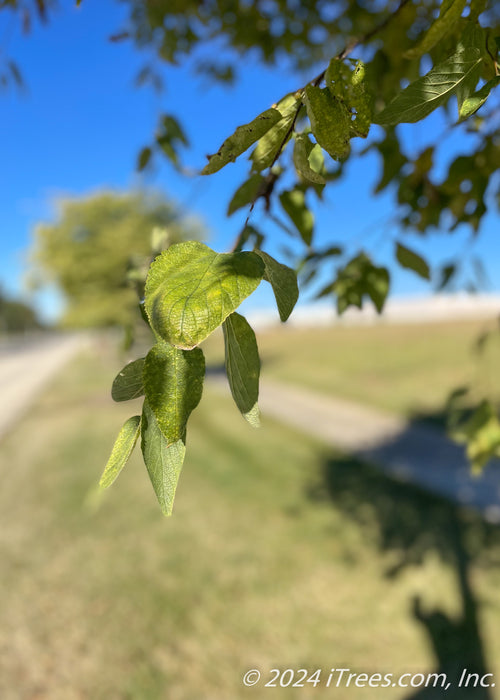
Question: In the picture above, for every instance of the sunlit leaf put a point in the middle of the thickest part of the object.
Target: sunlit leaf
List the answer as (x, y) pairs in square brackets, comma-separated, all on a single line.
[(270, 145), (330, 121), (243, 138), (301, 154), (424, 95), (471, 104), (191, 289), (122, 449)]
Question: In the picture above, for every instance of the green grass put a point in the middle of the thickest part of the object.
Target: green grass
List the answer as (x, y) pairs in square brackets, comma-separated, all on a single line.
[(280, 554), (409, 369)]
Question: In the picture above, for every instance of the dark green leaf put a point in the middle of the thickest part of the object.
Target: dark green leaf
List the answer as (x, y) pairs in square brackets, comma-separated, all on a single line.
[(407, 258), (191, 289), (243, 138), (246, 193), (294, 205), (447, 273), (144, 158), (163, 462), (424, 95), (128, 384), (173, 380), (283, 280), (122, 449), (242, 366)]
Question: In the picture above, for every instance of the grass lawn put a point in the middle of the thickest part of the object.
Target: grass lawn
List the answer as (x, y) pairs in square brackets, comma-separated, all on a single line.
[(409, 369), (280, 554)]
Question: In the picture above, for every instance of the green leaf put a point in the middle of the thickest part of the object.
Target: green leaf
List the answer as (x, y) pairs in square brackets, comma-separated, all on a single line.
[(301, 153), (471, 104), (128, 384), (447, 272), (163, 462), (359, 278), (481, 433), (407, 258), (270, 145), (242, 366), (283, 280), (173, 380), (243, 138), (330, 121), (294, 205), (439, 29), (122, 449), (191, 289), (424, 95), (246, 193), (144, 158)]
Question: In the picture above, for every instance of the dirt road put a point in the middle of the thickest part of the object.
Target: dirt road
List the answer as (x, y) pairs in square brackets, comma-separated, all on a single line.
[(26, 365)]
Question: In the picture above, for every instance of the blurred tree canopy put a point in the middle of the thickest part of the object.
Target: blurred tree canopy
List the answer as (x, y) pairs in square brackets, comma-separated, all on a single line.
[(98, 250)]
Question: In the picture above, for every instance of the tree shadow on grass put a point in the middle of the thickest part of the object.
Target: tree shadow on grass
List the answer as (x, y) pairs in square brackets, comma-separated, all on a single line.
[(408, 523)]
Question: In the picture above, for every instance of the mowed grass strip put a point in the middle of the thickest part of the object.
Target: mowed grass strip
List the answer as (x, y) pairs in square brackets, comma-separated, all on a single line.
[(279, 555)]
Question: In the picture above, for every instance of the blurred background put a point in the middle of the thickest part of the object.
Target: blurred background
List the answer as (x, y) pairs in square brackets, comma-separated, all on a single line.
[(287, 547)]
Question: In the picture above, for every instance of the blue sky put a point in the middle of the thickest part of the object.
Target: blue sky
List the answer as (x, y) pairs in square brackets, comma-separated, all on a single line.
[(81, 124)]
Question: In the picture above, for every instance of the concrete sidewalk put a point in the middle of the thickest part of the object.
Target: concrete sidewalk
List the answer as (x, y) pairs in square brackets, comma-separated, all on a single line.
[(412, 453)]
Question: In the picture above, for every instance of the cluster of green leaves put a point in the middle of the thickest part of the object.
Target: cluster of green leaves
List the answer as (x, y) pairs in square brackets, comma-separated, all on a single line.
[(412, 59), (190, 291)]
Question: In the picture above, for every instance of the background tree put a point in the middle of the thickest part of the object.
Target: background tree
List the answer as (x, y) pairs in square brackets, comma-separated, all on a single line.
[(17, 316), (98, 250)]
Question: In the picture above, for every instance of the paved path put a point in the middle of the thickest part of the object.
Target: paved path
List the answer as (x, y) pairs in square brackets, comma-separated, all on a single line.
[(415, 453), (26, 367)]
